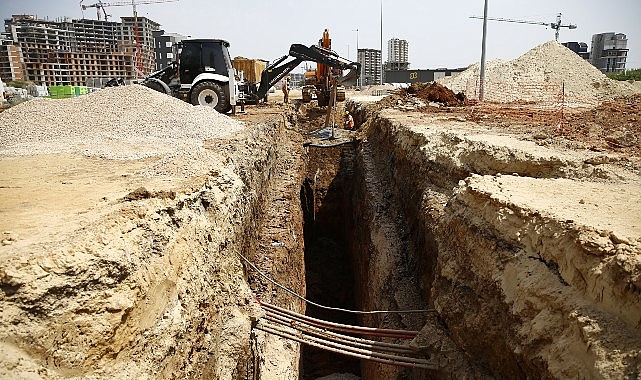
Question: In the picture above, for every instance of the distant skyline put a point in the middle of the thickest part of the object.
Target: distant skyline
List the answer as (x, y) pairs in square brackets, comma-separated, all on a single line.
[(440, 34)]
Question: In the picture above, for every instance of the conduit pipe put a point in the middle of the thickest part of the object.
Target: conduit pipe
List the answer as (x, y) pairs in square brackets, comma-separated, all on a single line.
[(358, 342), (369, 331), (348, 350)]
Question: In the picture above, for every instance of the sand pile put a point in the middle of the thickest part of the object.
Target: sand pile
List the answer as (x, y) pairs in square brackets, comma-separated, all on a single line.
[(128, 122), (550, 63)]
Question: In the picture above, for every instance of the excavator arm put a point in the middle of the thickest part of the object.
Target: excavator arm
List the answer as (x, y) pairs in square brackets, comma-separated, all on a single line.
[(301, 53)]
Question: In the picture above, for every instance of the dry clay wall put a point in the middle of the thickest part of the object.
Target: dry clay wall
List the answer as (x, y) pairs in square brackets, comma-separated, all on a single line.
[(530, 256), (151, 287)]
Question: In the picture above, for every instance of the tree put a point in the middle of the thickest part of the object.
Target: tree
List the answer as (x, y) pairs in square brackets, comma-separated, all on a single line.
[(627, 75)]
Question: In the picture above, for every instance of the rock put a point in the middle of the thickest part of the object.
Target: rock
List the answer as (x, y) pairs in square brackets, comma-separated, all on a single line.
[(622, 140)]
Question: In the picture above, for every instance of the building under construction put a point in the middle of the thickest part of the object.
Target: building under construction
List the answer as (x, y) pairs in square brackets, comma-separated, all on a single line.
[(73, 52)]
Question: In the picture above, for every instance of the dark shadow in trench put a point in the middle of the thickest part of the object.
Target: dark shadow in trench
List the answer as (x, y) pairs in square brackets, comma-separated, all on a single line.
[(329, 275)]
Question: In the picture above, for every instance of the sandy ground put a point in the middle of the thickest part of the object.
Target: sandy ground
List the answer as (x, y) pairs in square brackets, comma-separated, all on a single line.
[(147, 302), (43, 196)]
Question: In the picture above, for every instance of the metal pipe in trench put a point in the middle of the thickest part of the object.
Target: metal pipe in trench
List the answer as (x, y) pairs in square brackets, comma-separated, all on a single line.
[(350, 351), (370, 331)]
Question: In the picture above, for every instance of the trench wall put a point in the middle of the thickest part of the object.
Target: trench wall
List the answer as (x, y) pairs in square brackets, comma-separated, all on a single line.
[(153, 287), (508, 284)]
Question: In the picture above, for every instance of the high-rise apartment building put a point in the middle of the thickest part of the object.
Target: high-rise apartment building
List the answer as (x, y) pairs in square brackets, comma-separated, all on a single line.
[(609, 51), (141, 39), (69, 52), (397, 55), (370, 60), (580, 48), (166, 47), (11, 62)]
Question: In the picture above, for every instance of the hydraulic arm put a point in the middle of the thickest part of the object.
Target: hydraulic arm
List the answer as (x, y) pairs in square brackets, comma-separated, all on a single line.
[(300, 53)]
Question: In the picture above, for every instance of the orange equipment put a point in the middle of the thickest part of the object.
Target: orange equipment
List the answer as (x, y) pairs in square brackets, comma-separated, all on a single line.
[(318, 82)]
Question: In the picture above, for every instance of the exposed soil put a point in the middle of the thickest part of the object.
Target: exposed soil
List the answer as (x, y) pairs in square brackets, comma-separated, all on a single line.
[(514, 227), (434, 92)]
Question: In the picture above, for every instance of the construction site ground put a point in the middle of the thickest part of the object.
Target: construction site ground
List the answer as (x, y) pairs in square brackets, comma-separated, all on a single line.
[(518, 229)]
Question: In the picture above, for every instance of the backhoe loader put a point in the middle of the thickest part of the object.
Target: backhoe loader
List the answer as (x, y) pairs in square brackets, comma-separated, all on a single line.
[(204, 74)]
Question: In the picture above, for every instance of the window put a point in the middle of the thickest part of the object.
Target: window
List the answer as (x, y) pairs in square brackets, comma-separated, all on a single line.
[(168, 44), (170, 55), (213, 57)]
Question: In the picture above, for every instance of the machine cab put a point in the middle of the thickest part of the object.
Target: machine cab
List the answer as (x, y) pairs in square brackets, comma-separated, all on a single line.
[(203, 56)]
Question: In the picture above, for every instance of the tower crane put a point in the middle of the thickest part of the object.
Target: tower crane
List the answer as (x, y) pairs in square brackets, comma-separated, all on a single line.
[(554, 25), (100, 5)]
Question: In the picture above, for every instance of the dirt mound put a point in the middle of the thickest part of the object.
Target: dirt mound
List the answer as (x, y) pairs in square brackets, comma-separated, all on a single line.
[(419, 95), (549, 63), (435, 92)]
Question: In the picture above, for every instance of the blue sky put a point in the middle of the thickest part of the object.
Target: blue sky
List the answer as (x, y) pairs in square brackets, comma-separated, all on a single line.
[(440, 33)]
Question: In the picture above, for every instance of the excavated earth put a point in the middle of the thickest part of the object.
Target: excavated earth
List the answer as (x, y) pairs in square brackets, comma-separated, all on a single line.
[(523, 242)]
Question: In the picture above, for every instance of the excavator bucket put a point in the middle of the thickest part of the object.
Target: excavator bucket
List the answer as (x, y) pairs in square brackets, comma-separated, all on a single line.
[(349, 79)]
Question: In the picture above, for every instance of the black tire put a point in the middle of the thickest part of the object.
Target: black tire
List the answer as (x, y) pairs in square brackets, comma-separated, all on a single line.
[(155, 86), (229, 106), (323, 99), (210, 94), (307, 95)]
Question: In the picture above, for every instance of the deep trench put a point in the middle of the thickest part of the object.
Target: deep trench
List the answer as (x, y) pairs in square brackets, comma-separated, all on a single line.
[(327, 211), (337, 209)]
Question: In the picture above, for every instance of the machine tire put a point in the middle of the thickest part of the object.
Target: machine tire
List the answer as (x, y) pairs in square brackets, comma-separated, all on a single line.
[(323, 99), (155, 86), (228, 97), (210, 94), (307, 95)]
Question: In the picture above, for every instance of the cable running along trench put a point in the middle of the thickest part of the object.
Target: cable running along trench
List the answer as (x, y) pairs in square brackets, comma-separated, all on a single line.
[(329, 307)]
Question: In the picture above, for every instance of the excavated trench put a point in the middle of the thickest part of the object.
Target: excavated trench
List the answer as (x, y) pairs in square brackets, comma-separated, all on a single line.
[(399, 220), (327, 211), (350, 214), (530, 274)]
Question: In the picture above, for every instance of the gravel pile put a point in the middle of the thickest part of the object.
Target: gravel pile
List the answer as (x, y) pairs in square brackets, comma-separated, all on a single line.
[(128, 122), (551, 63)]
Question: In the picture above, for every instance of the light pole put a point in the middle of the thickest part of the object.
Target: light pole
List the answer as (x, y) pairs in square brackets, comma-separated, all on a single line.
[(382, 68), (359, 77), (482, 76)]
